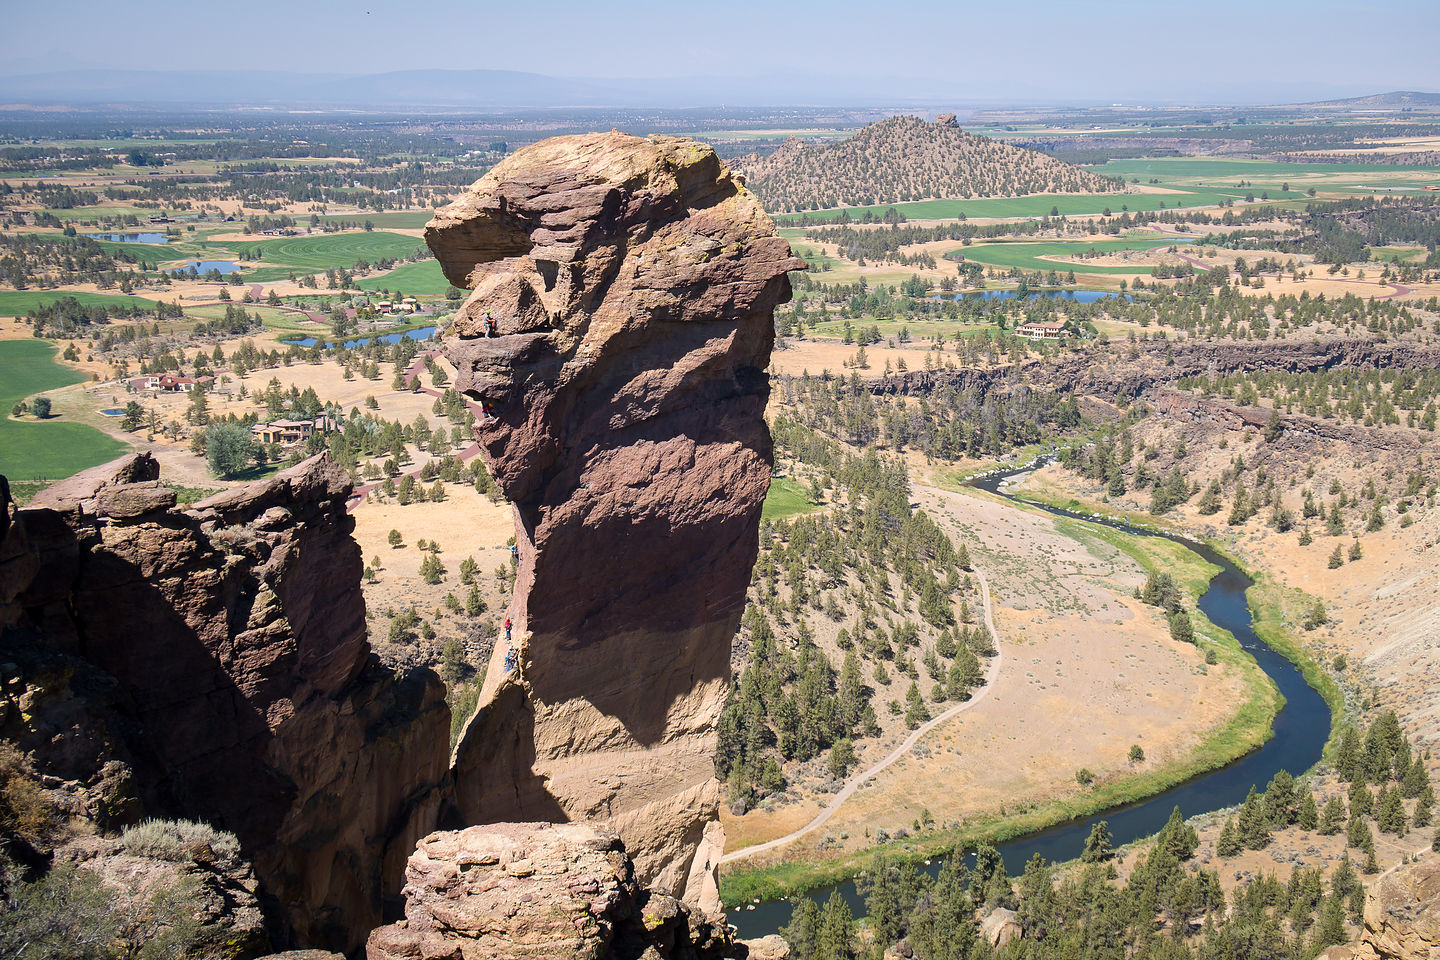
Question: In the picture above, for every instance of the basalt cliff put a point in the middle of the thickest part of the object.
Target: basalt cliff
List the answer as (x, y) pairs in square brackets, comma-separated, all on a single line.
[(211, 663), (618, 335)]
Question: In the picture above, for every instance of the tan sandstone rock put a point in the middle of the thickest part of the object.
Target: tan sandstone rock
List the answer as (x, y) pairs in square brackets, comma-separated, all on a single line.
[(631, 283), (1402, 914), (536, 891)]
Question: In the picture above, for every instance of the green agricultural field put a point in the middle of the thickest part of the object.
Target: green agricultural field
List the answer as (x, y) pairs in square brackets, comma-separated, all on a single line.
[(284, 321), (1068, 204), (17, 303), (111, 213), (422, 279), (1166, 168), (404, 219), (325, 251), (1028, 256), (51, 449)]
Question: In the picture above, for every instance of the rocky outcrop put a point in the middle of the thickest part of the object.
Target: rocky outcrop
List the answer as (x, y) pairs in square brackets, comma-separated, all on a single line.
[(999, 927), (1402, 914), (631, 285), (211, 663), (1133, 370), (537, 891)]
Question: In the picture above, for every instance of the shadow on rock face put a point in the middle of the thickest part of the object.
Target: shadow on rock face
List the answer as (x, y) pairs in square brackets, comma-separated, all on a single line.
[(619, 351)]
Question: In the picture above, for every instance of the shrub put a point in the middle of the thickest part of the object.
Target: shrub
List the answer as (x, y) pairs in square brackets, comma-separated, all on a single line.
[(23, 810), (173, 840)]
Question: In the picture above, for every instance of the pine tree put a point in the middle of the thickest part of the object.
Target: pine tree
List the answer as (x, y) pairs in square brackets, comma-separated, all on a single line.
[(1177, 838), (1357, 834), (1240, 508), (1309, 816), (835, 937), (1098, 844), (1424, 808), (1209, 502), (1253, 826), (1390, 813), (1229, 843), (1362, 801), (1332, 818)]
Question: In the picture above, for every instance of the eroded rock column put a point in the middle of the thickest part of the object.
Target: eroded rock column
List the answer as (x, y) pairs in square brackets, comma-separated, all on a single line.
[(618, 335)]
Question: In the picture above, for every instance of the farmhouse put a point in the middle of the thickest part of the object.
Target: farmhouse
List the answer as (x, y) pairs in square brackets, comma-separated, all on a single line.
[(288, 433), (173, 384), (1041, 330)]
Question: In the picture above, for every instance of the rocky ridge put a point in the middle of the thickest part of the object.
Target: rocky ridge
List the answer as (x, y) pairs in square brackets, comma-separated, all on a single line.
[(210, 663)]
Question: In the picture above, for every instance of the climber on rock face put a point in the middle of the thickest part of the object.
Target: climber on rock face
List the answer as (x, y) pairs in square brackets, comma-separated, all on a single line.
[(507, 629), (489, 324)]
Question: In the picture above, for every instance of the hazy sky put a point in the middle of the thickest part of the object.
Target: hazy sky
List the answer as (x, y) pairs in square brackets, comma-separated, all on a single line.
[(1070, 49)]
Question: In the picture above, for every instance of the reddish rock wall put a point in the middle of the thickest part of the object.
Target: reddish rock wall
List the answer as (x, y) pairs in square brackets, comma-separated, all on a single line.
[(632, 285)]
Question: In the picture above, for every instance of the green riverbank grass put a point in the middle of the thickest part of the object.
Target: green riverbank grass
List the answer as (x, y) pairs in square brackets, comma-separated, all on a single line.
[(1247, 729)]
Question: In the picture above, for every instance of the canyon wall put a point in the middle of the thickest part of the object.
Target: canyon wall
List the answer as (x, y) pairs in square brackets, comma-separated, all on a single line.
[(211, 663), (617, 336)]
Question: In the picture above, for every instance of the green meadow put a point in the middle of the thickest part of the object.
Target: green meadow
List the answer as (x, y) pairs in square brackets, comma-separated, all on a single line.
[(43, 449), (17, 303), (1027, 256), (422, 279), (325, 251)]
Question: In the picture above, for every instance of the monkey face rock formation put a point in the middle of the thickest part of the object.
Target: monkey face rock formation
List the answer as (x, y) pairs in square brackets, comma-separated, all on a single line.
[(617, 336)]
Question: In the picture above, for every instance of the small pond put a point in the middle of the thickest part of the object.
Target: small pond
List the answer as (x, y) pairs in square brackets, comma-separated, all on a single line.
[(155, 238), (419, 333), (1075, 296), (202, 267)]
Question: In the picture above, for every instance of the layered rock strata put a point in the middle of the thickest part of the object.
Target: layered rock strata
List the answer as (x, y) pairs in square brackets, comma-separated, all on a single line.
[(211, 663), (617, 336)]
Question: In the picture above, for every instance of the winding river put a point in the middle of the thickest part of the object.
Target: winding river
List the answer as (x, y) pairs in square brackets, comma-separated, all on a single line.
[(1301, 729)]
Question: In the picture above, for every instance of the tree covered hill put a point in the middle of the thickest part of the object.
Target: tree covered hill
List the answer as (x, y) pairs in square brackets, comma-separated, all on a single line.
[(901, 159)]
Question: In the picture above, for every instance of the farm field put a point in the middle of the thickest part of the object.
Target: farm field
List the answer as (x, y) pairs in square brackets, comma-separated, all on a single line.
[(1031, 256), (423, 279), (785, 498), (1040, 205), (328, 251), (273, 319), (398, 219), (1201, 168), (43, 450), (17, 303)]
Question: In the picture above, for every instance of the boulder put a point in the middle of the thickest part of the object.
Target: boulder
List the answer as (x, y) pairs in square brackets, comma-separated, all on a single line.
[(998, 927), (537, 891), (629, 285)]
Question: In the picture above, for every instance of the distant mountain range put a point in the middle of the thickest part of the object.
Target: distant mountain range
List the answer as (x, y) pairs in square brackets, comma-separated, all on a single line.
[(498, 90), (435, 89), (904, 158)]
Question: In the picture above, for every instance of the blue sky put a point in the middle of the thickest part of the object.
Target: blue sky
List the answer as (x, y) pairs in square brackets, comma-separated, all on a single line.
[(1049, 49)]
